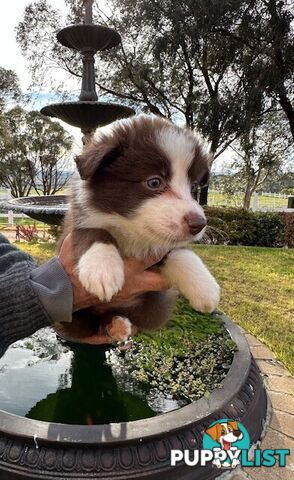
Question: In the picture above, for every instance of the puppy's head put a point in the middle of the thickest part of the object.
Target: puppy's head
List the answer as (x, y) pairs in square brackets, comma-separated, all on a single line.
[(142, 172)]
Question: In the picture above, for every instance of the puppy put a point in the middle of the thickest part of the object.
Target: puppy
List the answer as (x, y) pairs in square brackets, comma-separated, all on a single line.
[(134, 199)]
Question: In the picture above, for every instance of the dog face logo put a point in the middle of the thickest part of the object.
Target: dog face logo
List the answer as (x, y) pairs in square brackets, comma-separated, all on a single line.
[(226, 438), (225, 433)]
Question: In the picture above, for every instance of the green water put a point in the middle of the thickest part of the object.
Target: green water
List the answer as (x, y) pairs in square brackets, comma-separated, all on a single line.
[(46, 379)]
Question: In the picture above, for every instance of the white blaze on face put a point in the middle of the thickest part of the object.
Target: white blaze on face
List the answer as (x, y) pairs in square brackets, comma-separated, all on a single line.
[(180, 150)]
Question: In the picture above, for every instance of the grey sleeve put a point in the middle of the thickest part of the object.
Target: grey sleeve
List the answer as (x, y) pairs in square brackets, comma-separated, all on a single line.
[(21, 312), (53, 287), (31, 297)]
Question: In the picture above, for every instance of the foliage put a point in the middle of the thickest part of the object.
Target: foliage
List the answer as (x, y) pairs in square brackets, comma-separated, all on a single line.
[(27, 233), (33, 153), (173, 61), (193, 374), (14, 142), (9, 87), (236, 226), (263, 149), (215, 66), (288, 220), (186, 359)]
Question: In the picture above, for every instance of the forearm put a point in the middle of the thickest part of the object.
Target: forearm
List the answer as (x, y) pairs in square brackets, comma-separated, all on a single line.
[(31, 297)]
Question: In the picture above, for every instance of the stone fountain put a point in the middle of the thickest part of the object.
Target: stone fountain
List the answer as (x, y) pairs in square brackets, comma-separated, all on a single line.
[(87, 113), (41, 447)]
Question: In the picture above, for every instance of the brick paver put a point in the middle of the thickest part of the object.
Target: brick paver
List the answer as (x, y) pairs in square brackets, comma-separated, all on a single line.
[(280, 433)]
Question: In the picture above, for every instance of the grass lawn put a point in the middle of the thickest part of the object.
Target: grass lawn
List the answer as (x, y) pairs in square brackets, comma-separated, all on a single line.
[(257, 290)]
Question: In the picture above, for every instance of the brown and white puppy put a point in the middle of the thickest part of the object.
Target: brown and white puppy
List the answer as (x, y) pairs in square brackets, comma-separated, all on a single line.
[(133, 198)]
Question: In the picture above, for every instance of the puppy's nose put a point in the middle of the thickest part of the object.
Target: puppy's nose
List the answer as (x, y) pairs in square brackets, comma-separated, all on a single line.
[(195, 222), (237, 433)]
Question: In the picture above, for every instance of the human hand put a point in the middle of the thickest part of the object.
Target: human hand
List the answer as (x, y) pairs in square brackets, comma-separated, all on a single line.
[(138, 279)]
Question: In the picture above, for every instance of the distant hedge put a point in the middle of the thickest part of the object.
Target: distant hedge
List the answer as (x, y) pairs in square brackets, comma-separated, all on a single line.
[(236, 226)]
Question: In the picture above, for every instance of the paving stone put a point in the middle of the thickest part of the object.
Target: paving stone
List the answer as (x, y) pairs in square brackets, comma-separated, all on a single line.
[(280, 384), (272, 440), (239, 476), (282, 402), (272, 367), (283, 422), (273, 473), (261, 352), (253, 340)]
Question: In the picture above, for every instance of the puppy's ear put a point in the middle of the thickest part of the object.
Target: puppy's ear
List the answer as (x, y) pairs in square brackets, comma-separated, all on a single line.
[(98, 152), (214, 432)]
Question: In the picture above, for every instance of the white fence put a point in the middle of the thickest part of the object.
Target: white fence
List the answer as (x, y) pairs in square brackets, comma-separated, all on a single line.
[(11, 216), (263, 201)]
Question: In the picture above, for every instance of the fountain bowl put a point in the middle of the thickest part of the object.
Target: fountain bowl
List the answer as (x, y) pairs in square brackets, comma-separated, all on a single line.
[(32, 449), (49, 209), (87, 115), (88, 37)]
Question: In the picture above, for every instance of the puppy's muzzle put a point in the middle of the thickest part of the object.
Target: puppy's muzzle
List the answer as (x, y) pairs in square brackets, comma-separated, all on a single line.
[(195, 222)]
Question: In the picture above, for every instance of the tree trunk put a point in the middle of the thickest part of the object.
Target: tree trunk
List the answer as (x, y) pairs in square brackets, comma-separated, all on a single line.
[(247, 197), (288, 110), (203, 198)]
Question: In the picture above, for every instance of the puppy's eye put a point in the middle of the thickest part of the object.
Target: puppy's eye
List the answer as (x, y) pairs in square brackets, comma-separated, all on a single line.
[(154, 183)]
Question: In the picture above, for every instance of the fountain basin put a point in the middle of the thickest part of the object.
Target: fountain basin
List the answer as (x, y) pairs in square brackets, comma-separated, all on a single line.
[(49, 209), (139, 449), (87, 115), (84, 37)]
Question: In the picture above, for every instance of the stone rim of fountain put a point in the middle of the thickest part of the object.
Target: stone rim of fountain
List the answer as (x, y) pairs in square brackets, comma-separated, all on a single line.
[(140, 430)]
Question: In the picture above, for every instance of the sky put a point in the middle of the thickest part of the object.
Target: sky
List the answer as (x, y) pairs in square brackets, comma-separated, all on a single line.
[(10, 54)]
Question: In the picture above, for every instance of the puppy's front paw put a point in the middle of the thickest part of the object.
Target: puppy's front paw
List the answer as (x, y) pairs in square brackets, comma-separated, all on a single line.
[(101, 271), (205, 296), (186, 271)]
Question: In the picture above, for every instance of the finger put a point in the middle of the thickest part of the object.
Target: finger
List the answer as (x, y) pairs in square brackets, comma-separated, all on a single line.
[(65, 252), (152, 282)]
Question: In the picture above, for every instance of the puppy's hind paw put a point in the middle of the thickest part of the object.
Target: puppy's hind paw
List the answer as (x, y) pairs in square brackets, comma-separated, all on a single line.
[(120, 328)]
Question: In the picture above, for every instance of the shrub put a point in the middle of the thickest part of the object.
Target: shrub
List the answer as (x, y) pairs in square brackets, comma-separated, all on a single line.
[(28, 233), (288, 220), (230, 226), (236, 226), (269, 229)]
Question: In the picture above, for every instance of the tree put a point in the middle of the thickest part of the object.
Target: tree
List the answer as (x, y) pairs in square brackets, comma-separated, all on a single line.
[(14, 170), (266, 33), (33, 152), (47, 154), (185, 60), (262, 152), (9, 87)]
